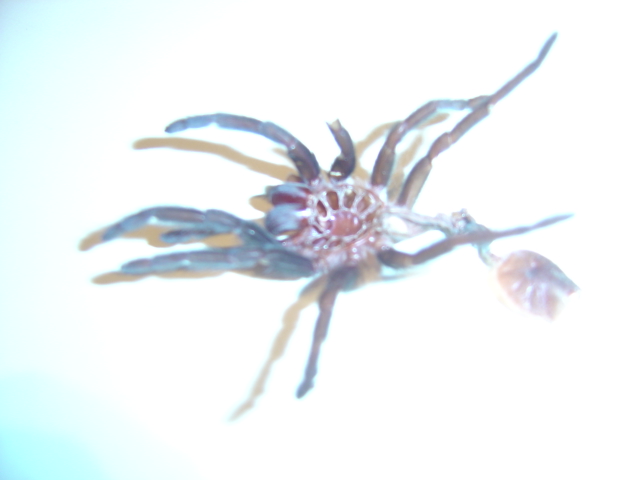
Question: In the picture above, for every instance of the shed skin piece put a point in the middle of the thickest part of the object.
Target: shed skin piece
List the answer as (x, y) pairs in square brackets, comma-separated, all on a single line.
[(531, 283)]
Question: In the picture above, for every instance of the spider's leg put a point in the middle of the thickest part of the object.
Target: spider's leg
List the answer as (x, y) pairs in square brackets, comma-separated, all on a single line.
[(525, 280), (418, 175), (159, 215), (276, 262), (250, 232), (344, 163), (186, 235), (196, 225), (396, 259), (304, 160), (386, 158), (341, 279)]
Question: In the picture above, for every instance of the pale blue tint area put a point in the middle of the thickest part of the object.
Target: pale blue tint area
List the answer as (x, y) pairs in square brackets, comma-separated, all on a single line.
[(53, 431), (39, 455)]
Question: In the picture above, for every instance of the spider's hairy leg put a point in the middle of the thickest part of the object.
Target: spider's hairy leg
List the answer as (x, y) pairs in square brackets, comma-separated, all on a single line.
[(196, 225), (397, 259), (274, 262), (344, 163), (386, 158), (418, 175), (161, 215), (304, 160), (525, 280), (338, 280)]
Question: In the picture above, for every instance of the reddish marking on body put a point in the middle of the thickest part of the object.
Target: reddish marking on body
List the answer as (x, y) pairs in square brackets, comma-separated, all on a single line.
[(345, 223)]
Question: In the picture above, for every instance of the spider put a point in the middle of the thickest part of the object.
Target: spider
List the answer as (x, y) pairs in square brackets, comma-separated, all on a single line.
[(332, 226)]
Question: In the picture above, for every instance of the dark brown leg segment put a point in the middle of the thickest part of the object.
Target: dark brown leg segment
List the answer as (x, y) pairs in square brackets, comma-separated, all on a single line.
[(396, 259), (345, 163), (195, 225), (386, 158), (274, 262), (303, 159), (160, 215), (418, 175), (338, 280)]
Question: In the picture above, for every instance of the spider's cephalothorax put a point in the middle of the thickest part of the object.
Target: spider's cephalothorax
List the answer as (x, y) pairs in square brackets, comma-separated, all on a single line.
[(335, 224), (340, 228)]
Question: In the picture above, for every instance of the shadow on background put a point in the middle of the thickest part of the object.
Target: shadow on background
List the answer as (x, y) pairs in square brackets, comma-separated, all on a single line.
[(290, 319), (279, 172)]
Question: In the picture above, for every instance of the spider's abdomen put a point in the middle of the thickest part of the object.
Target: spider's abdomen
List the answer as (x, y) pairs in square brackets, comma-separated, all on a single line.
[(331, 223)]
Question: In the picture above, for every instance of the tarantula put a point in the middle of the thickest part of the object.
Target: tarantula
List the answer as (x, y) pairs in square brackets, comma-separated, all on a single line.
[(338, 227)]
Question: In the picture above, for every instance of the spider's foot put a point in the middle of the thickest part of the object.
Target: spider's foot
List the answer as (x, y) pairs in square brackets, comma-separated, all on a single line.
[(304, 388), (532, 283)]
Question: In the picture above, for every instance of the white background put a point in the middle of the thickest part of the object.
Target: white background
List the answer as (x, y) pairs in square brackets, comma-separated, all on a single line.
[(105, 377)]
